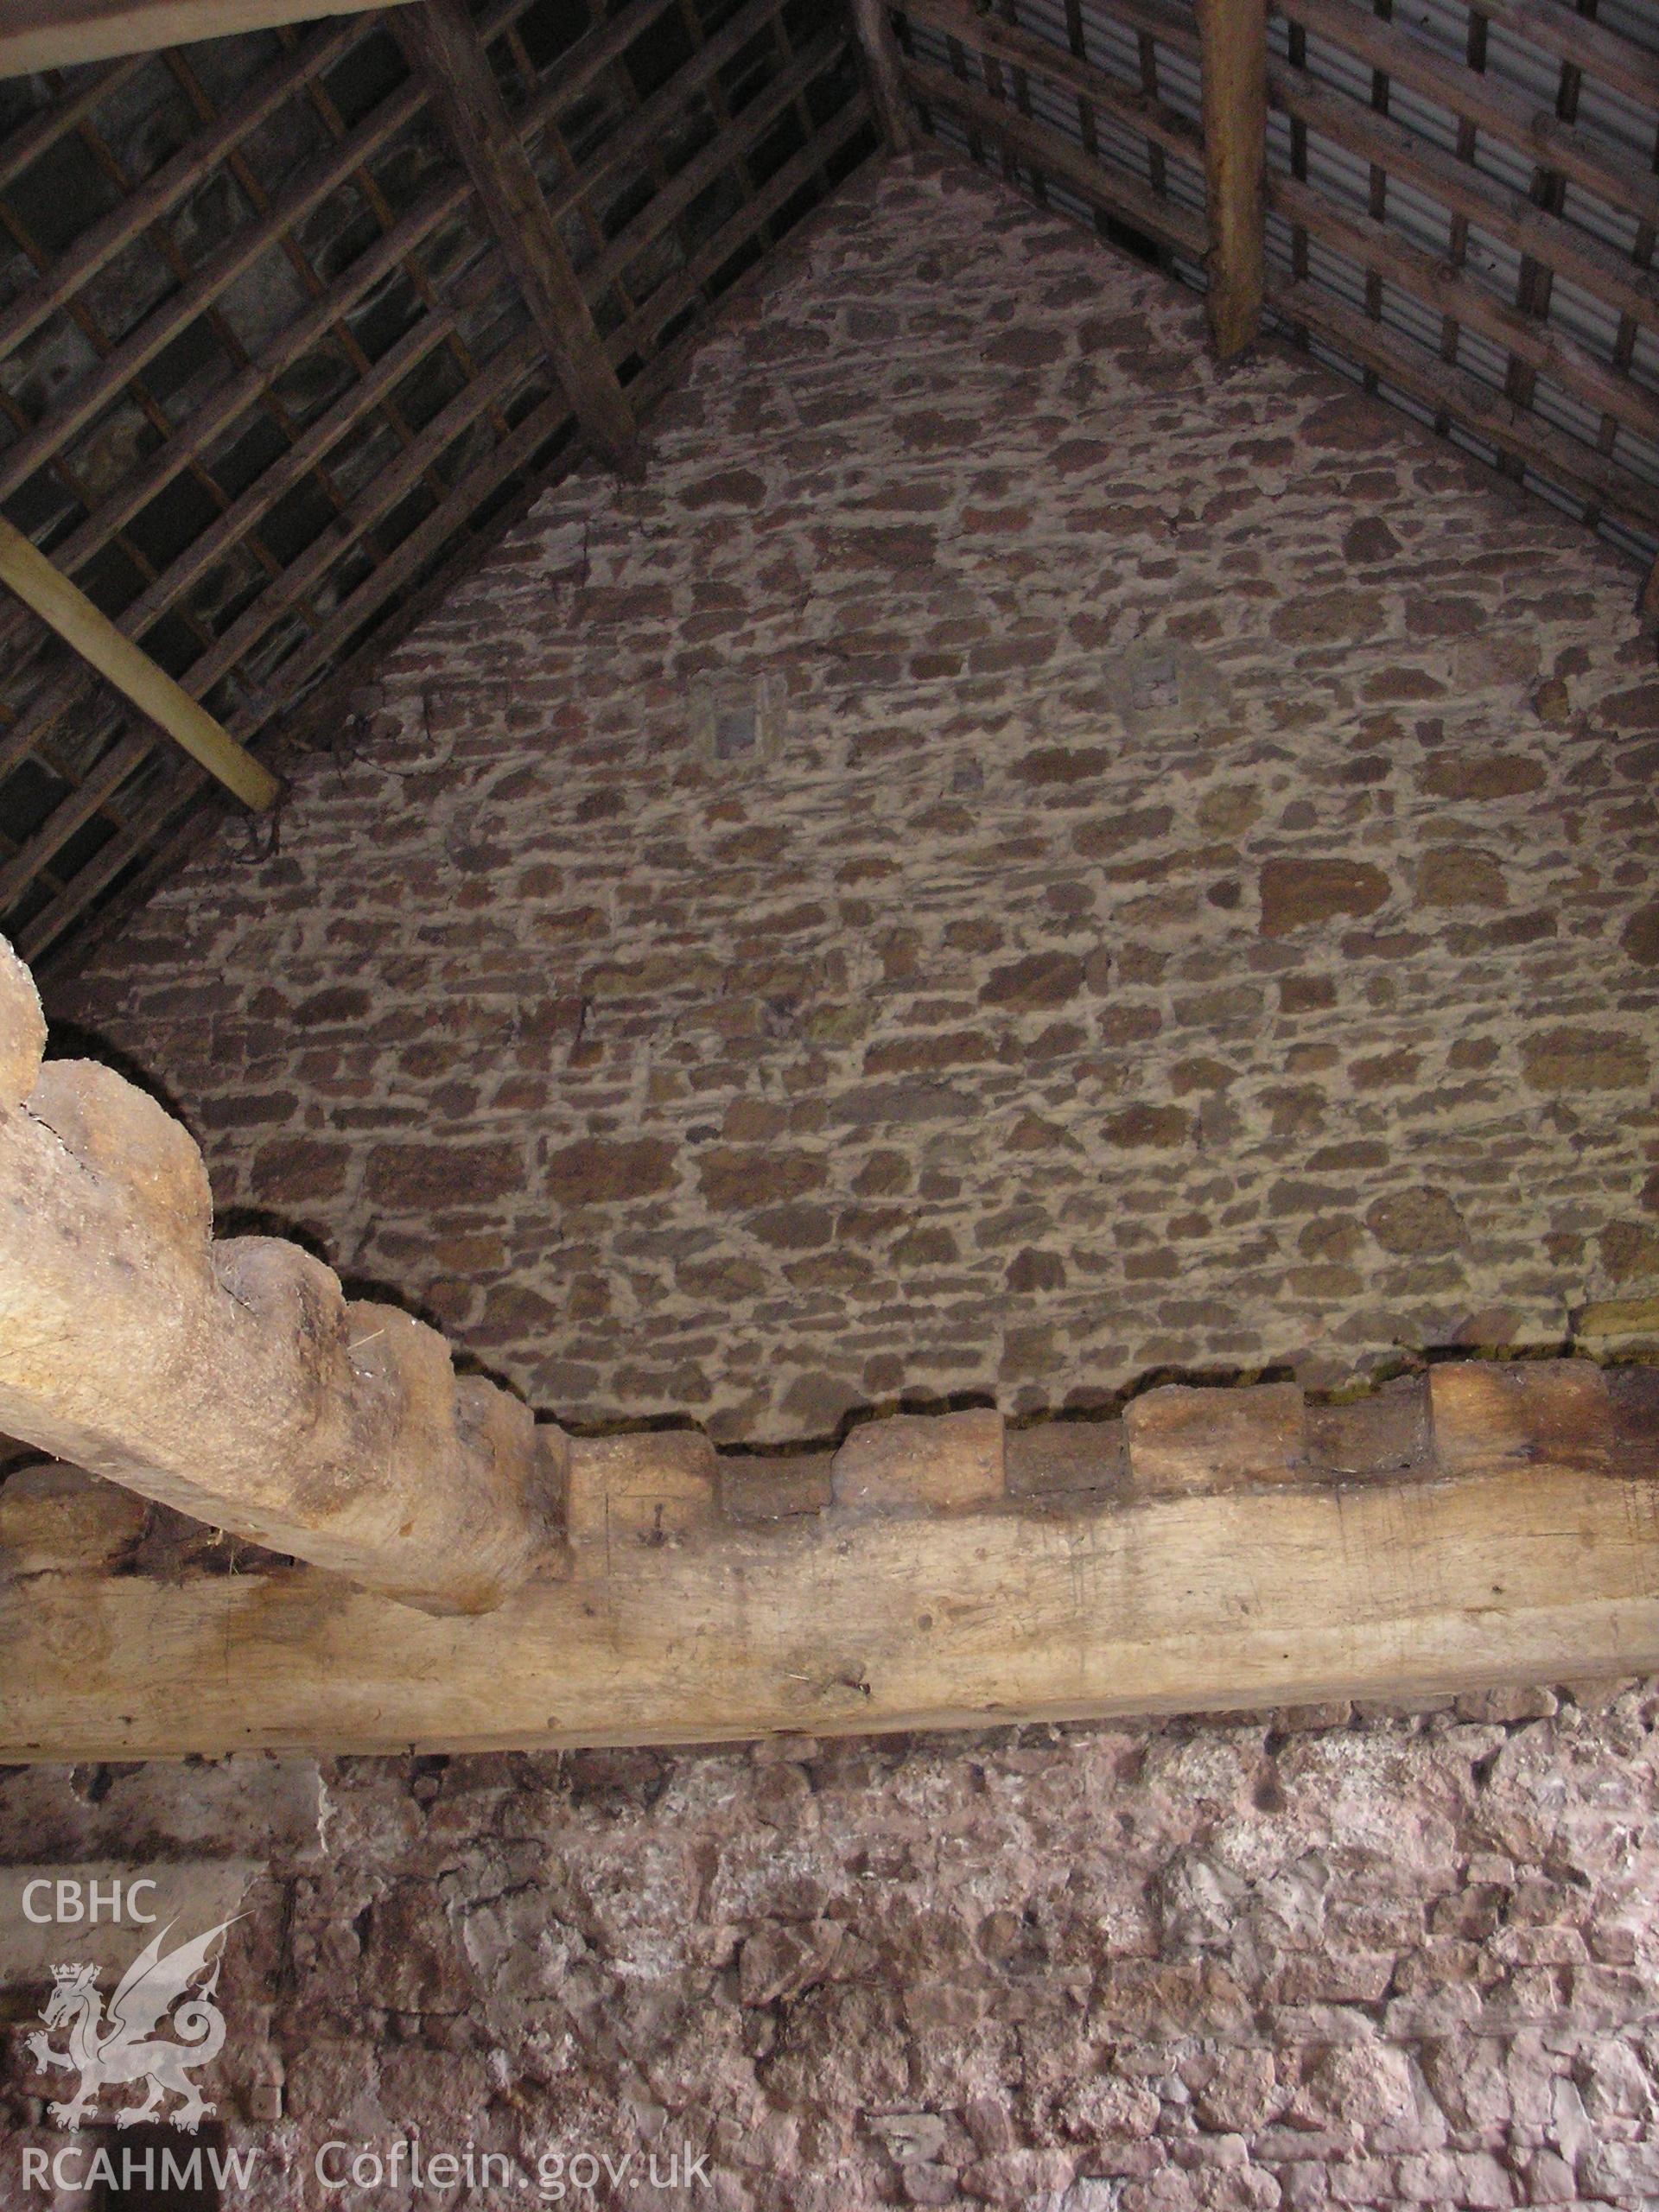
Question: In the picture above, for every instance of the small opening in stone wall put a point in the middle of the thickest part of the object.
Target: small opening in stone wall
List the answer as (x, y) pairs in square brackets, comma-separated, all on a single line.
[(736, 719), (1156, 682), (737, 731)]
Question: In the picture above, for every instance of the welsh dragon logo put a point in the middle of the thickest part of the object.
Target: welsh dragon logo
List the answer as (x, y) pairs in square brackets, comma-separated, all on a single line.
[(122, 2048)]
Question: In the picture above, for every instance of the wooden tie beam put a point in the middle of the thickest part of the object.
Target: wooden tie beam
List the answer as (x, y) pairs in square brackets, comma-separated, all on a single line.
[(1215, 1549), (443, 48), (1211, 1547)]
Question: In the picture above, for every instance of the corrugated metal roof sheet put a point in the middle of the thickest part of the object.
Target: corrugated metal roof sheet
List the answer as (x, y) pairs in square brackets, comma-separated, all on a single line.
[(1608, 120)]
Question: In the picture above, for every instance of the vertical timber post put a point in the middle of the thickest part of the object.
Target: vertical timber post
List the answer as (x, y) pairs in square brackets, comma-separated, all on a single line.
[(1233, 36), (883, 64)]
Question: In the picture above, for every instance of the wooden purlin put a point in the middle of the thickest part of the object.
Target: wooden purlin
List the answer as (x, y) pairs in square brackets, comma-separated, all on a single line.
[(1468, 191), (1530, 340), (1135, 109), (48, 125), (327, 706), (321, 712), (329, 170), (108, 787), (1480, 409), (1122, 195), (1481, 99), (1576, 38), (42, 34), (182, 174), (61, 693)]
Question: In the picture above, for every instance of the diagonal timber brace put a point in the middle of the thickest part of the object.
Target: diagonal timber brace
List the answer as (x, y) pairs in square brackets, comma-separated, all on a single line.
[(233, 1380)]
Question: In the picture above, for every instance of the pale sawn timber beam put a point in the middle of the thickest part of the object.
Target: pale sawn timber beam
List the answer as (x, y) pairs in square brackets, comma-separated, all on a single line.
[(1220, 1548), (64, 33), (1233, 43), (88, 632), (441, 42), (233, 1381)]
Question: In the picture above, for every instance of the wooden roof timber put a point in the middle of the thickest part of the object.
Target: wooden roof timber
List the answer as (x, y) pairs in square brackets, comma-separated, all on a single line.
[(1233, 49), (1532, 1567), (195, 1375), (27, 571), (391, 486), (254, 664), (113, 786), (1483, 1523), (453, 527), (873, 20), (64, 33), (443, 47)]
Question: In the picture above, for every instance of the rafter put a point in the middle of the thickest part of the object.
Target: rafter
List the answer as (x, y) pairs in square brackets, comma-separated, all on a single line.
[(442, 46), (120, 804), (1482, 99), (1488, 416), (1121, 194), (64, 33)]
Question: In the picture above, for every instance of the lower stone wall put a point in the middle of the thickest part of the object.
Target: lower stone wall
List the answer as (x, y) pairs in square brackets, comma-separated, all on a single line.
[(1309, 1957)]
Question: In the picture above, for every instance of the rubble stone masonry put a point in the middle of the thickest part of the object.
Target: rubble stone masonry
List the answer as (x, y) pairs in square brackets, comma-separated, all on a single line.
[(1013, 861), (1197, 906)]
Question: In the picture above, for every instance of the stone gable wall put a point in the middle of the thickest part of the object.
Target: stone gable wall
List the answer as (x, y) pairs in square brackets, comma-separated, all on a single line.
[(1199, 910)]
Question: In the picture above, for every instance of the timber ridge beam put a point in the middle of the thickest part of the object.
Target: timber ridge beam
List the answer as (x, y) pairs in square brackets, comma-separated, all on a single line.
[(442, 47), (62, 34), (1485, 1522)]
